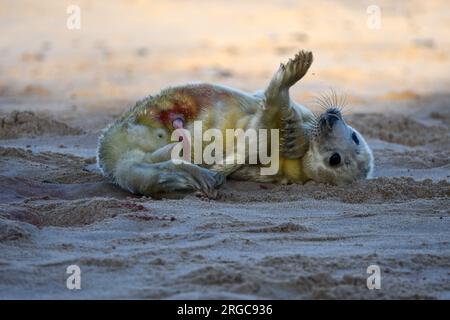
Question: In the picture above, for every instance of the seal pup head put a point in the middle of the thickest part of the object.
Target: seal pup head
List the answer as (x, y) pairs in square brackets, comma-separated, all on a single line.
[(337, 154)]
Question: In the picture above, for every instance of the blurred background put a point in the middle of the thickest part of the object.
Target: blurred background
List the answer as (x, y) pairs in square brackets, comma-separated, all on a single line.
[(127, 49)]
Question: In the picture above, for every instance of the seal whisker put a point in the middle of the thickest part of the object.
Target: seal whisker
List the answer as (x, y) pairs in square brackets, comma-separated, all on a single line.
[(323, 102), (331, 100)]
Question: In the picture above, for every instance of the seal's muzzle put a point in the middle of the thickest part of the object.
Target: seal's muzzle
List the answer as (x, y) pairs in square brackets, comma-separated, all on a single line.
[(330, 120)]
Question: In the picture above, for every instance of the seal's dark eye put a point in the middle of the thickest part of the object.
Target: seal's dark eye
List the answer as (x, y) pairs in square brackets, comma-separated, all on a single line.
[(335, 159), (355, 138)]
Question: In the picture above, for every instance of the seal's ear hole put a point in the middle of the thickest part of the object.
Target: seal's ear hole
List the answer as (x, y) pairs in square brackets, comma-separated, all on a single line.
[(355, 137), (335, 159), (160, 133)]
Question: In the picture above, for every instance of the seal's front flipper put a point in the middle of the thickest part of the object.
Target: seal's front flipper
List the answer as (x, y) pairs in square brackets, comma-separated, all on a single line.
[(294, 138), (279, 110), (287, 75)]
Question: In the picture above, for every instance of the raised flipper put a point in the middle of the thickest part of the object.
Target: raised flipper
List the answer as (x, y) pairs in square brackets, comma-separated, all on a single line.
[(278, 105), (277, 93)]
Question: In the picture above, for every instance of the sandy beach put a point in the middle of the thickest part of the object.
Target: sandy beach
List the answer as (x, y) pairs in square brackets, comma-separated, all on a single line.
[(60, 87)]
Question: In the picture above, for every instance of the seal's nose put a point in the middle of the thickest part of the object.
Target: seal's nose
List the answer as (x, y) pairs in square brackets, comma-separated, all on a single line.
[(332, 118)]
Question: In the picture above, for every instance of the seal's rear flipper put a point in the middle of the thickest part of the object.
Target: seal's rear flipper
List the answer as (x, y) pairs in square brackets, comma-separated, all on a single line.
[(138, 176)]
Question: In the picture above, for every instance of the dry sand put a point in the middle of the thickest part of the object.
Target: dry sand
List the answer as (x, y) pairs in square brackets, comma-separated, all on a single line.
[(59, 88)]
